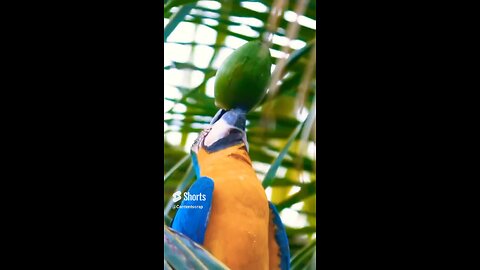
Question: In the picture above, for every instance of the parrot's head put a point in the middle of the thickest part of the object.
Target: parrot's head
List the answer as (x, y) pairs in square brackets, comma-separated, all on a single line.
[(226, 129)]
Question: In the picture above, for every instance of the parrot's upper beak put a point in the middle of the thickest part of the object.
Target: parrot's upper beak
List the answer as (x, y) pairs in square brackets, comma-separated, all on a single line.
[(227, 128)]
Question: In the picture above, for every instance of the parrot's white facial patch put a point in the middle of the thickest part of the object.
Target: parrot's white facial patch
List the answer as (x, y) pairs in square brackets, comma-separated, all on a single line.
[(218, 131), (226, 129), (221, 130)]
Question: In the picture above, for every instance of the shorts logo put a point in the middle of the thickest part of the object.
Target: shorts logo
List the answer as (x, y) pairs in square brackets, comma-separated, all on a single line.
[(176, 196)]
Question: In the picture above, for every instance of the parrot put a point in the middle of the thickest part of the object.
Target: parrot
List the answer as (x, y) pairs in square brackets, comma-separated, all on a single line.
[(226, 209)]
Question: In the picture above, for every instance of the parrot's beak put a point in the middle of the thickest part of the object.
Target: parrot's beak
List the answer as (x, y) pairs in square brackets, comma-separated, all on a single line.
[(227, 128)]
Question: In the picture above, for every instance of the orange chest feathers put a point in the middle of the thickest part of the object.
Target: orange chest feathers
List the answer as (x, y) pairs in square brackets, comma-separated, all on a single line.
[(237, 232)]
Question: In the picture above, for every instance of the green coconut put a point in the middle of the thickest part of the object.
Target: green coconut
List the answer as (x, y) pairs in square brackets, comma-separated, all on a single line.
[(243, 78)]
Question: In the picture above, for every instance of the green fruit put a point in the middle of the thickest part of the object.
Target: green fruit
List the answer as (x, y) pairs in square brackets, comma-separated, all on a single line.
[(243, 78)]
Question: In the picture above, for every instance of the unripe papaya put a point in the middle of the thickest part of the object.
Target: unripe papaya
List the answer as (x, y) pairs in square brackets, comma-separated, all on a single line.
[(243, 78)]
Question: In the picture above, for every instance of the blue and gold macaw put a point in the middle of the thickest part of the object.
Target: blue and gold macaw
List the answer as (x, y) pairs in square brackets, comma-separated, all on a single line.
[(236, 222)]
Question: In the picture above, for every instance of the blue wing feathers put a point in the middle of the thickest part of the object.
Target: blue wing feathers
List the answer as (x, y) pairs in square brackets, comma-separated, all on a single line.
[(192, 215), (281, 238)]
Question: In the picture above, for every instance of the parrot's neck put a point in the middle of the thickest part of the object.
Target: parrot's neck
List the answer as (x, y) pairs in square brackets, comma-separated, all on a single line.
[(236, 156)]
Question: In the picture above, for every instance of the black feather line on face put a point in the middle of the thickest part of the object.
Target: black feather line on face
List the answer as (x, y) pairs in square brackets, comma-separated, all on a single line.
[(199, 140)]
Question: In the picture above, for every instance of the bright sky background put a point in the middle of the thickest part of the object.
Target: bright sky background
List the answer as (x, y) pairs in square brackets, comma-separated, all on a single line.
[(203, 35)]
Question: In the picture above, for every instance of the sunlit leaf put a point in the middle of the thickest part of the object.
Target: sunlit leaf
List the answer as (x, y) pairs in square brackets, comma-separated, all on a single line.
[(269, 178), (176, 19)]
